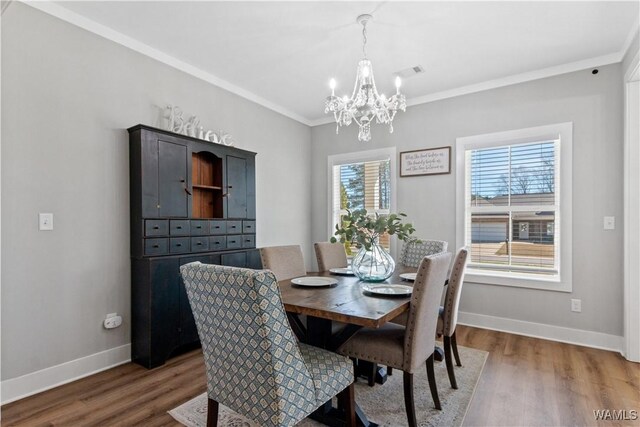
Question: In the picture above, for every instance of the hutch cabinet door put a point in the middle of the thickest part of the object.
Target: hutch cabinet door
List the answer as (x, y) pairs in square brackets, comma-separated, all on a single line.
[(147, 170), (163, 316), (253, 259), (187, 328), (237, 191), (172, 176), (235, 259)]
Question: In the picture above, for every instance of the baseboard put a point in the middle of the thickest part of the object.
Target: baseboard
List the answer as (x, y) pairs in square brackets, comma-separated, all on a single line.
[(17, 388), (20, 387), (543, 331)]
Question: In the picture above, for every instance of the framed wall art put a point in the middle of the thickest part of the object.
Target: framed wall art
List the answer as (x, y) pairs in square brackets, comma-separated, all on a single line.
[(430, 161)]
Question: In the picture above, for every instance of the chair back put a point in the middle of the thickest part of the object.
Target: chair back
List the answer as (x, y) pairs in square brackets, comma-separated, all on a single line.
[(286, 262), (413, 252), (419, 339), (252, 359), (330, 255), (454, 290)]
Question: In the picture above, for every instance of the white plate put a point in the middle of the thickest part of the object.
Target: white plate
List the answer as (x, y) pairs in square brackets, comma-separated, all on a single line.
[(314, 281), (386, 289), (344, 271), (409, 276)]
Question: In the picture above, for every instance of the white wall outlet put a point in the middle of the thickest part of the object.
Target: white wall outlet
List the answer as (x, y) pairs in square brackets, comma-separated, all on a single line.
[(576, 305), (46, 221), (112, 321), (609, 222)]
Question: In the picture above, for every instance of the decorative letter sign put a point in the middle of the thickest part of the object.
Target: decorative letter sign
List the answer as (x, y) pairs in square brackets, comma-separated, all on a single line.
[(433, 161)]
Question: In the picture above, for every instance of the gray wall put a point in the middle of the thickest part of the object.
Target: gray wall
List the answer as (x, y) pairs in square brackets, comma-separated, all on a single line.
[(594, 104), (68, 96)]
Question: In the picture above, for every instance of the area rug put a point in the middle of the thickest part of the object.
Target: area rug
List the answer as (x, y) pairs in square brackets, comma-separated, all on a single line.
[(383, 404)]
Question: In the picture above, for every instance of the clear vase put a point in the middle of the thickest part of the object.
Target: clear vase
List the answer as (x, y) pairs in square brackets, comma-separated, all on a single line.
[(374, 265)]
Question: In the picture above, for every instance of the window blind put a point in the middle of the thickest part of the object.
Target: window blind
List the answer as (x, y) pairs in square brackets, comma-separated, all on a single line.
[(512, 207)]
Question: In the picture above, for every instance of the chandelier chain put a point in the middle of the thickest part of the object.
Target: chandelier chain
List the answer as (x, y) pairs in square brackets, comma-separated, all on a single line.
[(364, 38)]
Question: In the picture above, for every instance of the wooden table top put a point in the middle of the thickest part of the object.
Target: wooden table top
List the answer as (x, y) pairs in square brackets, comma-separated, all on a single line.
[(346, 302)]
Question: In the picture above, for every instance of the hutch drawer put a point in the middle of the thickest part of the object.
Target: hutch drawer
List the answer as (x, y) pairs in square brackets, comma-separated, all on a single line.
[(155, 227)]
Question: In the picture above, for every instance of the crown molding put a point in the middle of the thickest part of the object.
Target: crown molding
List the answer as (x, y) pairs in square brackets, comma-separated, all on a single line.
[(519, 78), (73, 18), (635, 28), (51, 8), (506, 81)]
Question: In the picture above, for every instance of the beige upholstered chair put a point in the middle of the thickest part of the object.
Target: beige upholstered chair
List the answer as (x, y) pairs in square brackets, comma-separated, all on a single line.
[(408, 348), (253, 363), (448, 318), (413, 251), (330, 255), (286, 262)]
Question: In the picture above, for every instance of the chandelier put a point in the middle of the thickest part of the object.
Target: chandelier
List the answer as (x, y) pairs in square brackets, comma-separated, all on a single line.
[(365, 103)]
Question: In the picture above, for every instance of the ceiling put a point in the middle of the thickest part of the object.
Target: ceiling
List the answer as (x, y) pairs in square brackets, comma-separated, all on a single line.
[(282, 54)]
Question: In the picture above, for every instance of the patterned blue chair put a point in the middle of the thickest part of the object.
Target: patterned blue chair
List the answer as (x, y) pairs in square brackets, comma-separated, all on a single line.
[(413, 252), (254, 364)]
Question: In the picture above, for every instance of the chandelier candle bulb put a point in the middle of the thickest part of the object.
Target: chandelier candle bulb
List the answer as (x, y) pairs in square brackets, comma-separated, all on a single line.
[(332, 85), (398, 84)]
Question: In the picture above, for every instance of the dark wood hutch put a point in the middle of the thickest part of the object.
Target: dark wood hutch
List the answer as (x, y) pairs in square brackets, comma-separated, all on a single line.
[(191, 200)]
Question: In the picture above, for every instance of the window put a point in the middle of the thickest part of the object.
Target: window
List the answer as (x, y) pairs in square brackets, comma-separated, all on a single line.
[(362, 180), (514, 194)]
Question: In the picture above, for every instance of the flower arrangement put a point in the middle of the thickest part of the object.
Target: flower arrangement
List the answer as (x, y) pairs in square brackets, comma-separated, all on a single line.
[(364, 230)]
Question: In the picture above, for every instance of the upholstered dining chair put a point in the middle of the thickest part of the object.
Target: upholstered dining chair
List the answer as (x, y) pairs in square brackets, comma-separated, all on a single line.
[(413, 251), (253, 363), (408, 347), (330, 255), (286, 262), (448, 317)]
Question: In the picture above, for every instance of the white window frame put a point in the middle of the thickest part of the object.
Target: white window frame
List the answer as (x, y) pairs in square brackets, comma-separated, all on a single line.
[(361, 157), (562, 131)]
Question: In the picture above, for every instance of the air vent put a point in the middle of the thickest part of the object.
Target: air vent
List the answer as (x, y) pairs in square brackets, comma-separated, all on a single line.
[(410, 72)]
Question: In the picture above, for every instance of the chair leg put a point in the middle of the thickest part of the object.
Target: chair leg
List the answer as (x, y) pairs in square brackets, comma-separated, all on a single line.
[(431, 376), (346, 400), (408, 399), (212, 413), (454, 345), (448, 360)]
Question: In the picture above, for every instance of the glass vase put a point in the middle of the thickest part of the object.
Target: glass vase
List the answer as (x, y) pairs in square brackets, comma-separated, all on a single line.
[(374, 265)]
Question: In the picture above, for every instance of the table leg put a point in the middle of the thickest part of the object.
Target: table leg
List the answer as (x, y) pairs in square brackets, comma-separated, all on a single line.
[(297, 326), (371, 372)]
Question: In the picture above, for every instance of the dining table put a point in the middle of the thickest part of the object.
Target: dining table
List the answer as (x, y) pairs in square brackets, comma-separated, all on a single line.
[(334, 313)]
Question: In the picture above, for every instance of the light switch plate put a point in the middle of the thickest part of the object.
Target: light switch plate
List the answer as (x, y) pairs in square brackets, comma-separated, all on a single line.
[(46, 221), (576, 305), (609, 222)]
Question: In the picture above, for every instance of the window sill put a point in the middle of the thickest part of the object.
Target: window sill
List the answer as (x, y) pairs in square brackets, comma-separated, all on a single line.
[(516, 281)]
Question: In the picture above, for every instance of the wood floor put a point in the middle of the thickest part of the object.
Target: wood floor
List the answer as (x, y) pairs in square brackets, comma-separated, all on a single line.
[(525, 382)]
